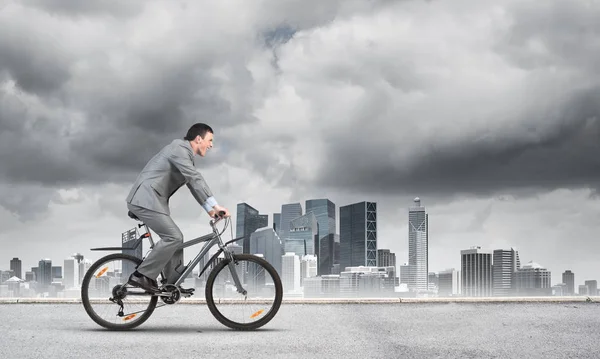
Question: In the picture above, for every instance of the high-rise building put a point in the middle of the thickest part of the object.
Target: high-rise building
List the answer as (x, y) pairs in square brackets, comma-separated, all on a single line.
[(15, 266), (266, 242), (533, 279), (302, 239), (56, 272), (290, 272), (449, 283), (289, 212), (385, 258), (433, 280), (128, 241), (276, 222), (324, 211), (80, 266), (593, 286), (71, 278), (248, 220), (418, 244), (476, 268), (568, 278), (408, 275), (308, 267), (45, 274), (358, 235), (505, 265)]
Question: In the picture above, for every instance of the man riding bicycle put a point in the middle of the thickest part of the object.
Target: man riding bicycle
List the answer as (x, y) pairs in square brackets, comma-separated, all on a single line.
[(148, 199)]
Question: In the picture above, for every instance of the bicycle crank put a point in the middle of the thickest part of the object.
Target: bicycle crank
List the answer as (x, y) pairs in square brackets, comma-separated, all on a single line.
[(170, 294)]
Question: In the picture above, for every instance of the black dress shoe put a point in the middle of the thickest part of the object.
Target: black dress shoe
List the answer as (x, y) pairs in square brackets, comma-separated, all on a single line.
[(186, 291), (141, 281)]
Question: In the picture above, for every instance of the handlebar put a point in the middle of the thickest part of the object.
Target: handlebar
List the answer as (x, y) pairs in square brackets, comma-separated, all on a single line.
[(218, 216)]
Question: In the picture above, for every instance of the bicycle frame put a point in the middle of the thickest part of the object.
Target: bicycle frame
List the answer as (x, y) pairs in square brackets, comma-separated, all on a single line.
[(211, 239)]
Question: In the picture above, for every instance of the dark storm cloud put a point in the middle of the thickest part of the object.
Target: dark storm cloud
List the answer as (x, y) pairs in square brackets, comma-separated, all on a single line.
[(567, 156), (35, 60), (126, 122), (553, 143)]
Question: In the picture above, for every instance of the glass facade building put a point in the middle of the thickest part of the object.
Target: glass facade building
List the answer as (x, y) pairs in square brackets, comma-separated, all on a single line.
[(476, 272), (324, 211), (358, 235), (418, 245), (303, 236), (248, 220), (289, 212)]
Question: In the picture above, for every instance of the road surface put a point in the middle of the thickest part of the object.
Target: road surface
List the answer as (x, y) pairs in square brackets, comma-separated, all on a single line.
[(400, 330)]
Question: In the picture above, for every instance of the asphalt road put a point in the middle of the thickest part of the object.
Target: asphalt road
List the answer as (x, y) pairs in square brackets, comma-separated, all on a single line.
[(403, 330)]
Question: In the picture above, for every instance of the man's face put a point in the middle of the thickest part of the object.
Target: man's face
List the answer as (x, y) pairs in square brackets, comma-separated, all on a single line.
[(205, 143)]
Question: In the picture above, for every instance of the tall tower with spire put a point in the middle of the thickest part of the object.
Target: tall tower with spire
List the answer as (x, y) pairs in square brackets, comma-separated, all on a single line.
[(418, 246)]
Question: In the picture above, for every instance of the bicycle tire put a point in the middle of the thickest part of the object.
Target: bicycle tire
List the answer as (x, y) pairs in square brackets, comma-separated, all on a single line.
[(244, 326), (86, 300)]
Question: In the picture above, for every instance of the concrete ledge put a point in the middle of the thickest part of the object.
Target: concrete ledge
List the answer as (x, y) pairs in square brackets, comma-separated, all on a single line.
[(573, 299)]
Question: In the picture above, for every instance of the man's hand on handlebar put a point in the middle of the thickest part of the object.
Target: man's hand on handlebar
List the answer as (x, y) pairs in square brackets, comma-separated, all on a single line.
[(219, 211)]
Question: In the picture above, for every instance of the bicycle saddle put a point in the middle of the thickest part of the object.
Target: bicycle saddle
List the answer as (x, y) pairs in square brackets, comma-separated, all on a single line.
[(133, 216)]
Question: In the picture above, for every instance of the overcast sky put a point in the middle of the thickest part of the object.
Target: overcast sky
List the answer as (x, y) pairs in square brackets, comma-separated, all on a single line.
[(488, 111)]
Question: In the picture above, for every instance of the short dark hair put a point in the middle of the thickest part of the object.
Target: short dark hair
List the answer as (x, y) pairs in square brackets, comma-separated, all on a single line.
[(198, 129)]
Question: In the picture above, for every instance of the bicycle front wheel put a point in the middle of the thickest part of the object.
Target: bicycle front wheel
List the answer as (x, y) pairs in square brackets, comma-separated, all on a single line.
[(238, 311)]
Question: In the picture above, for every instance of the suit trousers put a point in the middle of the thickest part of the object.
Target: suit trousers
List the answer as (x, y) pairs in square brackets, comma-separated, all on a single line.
[(165, 254)]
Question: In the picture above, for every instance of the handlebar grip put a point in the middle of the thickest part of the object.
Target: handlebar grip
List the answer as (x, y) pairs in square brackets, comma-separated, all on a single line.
[(220, 214)]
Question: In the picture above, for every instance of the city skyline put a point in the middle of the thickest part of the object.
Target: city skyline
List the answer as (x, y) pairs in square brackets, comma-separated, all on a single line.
[(489, 117), (416, 205), (475, 278)]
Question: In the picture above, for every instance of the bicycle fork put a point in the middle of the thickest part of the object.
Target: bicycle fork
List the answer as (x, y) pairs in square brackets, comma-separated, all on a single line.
[(234, 274)]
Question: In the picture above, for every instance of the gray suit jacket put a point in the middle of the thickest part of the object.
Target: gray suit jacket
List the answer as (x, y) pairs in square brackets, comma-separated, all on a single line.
[(164, 174)]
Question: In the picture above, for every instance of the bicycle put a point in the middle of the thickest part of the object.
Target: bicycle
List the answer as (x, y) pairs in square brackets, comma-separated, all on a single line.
[(240, 279)]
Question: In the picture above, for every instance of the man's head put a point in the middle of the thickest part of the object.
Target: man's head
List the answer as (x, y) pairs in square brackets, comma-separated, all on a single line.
[(200, 136)]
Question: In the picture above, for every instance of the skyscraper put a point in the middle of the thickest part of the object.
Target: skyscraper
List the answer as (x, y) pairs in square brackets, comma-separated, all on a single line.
[(386, 258), (324, 211), (15, 266), (303, 236), (476, 270), (71, 276), (290, 272), (418, 244), (80, 266), (45, 271), (276, 222), (568, 278), (289, 212), (267, 243), (248, 220), (505, 265), (358, 235)]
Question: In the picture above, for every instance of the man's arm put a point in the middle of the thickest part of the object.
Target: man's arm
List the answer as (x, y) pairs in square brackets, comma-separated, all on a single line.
[(181, 159)]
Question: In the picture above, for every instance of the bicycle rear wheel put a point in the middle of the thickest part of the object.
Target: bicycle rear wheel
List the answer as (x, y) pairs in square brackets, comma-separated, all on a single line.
[(108, 300), (238, 311)]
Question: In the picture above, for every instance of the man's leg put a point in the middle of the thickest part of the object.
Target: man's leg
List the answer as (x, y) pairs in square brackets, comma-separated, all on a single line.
[(165, 254)]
